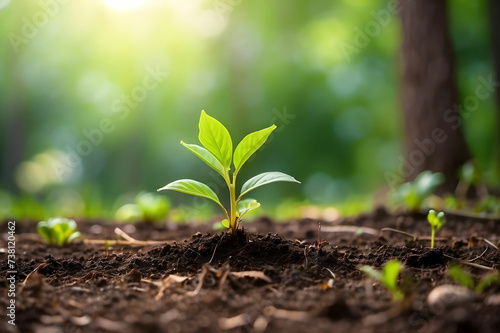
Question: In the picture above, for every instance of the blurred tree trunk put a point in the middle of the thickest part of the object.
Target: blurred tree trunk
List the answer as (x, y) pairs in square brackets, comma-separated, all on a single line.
[(494, 12), (432, 124)]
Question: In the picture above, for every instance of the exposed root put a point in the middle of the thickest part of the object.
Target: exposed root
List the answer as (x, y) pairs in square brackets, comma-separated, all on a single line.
[(129, 241), (351, 229), (414, 237), (470, 263)]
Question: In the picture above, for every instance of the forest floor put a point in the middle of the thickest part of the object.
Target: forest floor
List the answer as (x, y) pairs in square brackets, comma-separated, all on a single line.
[(271, 277)]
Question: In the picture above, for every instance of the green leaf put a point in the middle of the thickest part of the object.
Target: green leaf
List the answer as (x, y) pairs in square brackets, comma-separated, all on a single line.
[(371, 272), (426, 182), (192, 187), (215, 137), (58, 230), (249, 145), (44, 231), (391, 273), (206, 157), (435, 220), (225, 223), (73, 236), (265, 178), (431, 216), (388, 277), (244, 206), (247, 204), (470, 173), (488, 280), (460, 276)]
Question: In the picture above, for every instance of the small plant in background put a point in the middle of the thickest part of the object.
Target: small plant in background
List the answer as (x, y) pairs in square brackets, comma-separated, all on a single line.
[(463, 278), (218, 154), (413, 194), (469, 175), (388, 277), (154, 207), (436, 221), (488, 204), (58, 231), (148, 207), (451, 202)]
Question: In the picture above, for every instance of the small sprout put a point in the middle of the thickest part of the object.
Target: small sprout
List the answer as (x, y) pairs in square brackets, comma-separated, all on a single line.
[(217, 152), (388, 277), (106, 246), (464, 279), (58, 231), (148, 207), (461, 277), (470, 174), (451, 202), (436, 221), (413, 194), (154, 207)]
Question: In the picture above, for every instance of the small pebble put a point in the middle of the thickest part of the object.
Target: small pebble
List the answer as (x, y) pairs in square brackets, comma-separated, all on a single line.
[(492, 300), (448, 296)]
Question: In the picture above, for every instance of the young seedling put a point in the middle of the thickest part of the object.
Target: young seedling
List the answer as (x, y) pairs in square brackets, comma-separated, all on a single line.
[(388, 277), (436, 221), (218, 154), (58, 231), (464, 279), (413, 194), (148, 207)]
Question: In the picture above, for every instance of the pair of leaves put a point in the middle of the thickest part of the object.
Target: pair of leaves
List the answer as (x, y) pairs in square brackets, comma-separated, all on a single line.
[(412, 194), (218, 151), (388, 276), (196, 188), (436, 220), (58, 231)]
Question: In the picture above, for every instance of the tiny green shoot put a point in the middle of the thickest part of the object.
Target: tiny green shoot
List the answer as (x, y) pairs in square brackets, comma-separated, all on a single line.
[(154, 207), (217, 152), (106, 246), (58, 231), (412, 194), (388, 277), (436, 221), (148, 207), (465, 279)]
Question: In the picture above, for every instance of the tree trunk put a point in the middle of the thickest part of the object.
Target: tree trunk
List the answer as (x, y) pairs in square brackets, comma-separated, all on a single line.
[(434, 139), (494, 12)]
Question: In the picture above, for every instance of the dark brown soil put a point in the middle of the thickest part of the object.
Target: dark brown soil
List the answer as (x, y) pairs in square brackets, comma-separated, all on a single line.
[(190, 285)]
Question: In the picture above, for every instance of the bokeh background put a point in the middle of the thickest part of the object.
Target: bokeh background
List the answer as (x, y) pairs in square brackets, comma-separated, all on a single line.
[(95, 96)]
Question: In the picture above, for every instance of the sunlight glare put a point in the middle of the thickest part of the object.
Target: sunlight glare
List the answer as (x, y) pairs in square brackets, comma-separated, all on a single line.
[(4, 3)]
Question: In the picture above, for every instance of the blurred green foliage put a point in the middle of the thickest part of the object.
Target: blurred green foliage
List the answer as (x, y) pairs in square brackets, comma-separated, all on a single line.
[(148, 207), (95, 96)]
